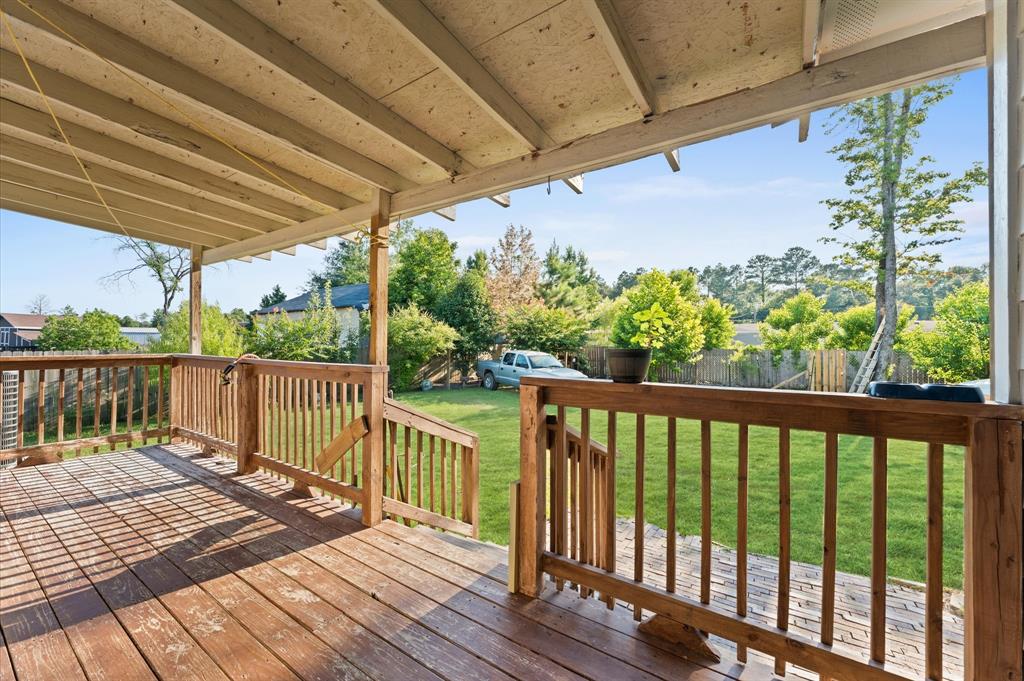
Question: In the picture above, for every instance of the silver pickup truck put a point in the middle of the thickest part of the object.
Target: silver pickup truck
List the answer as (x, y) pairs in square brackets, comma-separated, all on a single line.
[(515, 364)]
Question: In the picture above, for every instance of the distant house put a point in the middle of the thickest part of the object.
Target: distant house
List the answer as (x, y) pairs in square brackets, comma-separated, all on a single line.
[(21, 331), (348, 302)]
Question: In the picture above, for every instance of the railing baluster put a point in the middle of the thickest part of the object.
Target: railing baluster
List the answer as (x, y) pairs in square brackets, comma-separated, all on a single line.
[(60, 405), (574, 499), (97, 406), (586, 485), (129, 406), (433, 506), (392, 429), (879, 547), (159, 400), (933, 570), (444, 478), (782, 619), (279, 399), (145, 403), (705, 511), (41, 408), (670, 524), (453, 463), (638, 533), (407, 492), (560, 459), (828, 561), (79, 395), (323, 414), (741, 531), (304, 407), (610, 528), (419, 468)]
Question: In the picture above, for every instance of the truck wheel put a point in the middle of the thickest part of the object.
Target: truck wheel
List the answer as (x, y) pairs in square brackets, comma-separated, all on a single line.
[(489, 383)]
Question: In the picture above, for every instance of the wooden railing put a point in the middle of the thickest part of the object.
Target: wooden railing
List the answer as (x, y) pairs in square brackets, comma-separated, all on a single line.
[(433, 470), (577, 543), (87, 403), (324, 426)]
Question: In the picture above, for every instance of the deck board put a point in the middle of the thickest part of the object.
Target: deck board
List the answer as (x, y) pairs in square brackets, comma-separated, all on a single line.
[(146, 563)]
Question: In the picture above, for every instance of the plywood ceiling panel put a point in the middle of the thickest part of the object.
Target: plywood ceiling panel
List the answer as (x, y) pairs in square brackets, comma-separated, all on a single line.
[(715, 47)]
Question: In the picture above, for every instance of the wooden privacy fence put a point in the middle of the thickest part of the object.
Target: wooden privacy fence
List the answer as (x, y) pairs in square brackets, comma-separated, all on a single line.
[(764, 369), (326, 426), (577, 543), (433, 471)]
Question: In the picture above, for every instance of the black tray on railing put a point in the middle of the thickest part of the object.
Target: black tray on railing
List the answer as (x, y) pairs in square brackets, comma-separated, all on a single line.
[(928, 391)]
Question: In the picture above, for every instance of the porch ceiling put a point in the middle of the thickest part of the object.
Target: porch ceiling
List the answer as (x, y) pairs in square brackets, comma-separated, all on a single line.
[(251, 126)]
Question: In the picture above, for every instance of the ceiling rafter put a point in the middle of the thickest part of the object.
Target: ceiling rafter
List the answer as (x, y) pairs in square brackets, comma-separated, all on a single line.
[(810, 35), (210, 96), (414, 21), (943, 51), (247, 31), (107, 109)]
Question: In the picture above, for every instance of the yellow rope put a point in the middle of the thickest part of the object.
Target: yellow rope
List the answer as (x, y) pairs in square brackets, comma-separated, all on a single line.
[(60, 128), (170, 104)]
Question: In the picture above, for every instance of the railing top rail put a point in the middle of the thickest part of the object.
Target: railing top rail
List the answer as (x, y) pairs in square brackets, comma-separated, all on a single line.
[(431, 425), (276, 367), (27, 362), (917, 420)]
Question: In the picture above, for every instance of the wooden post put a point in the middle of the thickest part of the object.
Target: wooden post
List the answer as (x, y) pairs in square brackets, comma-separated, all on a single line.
[(992, 551), (248, 417), (379, 278), (373, 453), (1006, 225), (174, 407), (532, 506), (195, 302)]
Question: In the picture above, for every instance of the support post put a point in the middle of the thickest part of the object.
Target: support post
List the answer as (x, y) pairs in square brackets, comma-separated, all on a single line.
[(195, 302), (1006, 239), (373, 453), (992, 551), (379, 222), (174, 407), (532, 486), (248, 417)]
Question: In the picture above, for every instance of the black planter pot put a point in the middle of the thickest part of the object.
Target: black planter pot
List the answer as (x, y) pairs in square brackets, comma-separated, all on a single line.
[(628, 365)]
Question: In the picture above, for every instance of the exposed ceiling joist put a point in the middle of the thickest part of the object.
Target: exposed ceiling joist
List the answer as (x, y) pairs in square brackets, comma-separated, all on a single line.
[(448, 213), (79, 189), (237, 25), (672, 157), (503, 200), (574, 182), (13, 150), (810, 34), (290, 250), (106, 112), (420, 26), (622, 52), (262, 256), (208, 95), (319, 244), (136, 225), (940, 52)]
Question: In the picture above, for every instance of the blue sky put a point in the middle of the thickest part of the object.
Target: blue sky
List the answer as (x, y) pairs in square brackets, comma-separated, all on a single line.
[(754, 192)]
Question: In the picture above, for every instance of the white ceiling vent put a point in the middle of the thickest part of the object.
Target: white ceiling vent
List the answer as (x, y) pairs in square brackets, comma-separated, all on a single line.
[(849, 26)]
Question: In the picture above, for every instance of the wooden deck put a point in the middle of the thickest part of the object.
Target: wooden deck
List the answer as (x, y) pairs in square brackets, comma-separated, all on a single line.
[(153, 563)]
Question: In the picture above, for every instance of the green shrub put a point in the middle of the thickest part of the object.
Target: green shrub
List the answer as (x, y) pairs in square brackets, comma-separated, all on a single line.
[(684, 336), (802, 323), (93, 330), (221, 335), (313, 337), (535, 327), (414, 338), (958, 349)]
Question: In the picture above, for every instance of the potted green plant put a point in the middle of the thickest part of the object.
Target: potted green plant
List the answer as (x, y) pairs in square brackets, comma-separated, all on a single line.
[(630, 364)]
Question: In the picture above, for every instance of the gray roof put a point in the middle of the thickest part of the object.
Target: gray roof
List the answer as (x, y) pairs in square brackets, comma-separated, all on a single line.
[(353, 295)]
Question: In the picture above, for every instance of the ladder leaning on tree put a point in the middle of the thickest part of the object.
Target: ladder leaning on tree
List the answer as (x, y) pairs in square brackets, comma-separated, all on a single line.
[(867, 367)]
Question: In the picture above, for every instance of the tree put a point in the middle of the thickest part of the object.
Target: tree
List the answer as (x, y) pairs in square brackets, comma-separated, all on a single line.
[(536, 327), (625, 280), (758, 271), (802, 323), (478, 262), (719, 281), (514, 269), (348, 262), (221, 335), (40, 304), (855, 327), (312, 337), (684, 337), (168, 265), (926, 288), (414, 338), (94, 330), (567, 281), (716, 323), (793, 269), (467, 309), (958, 349), (275, 296), (900, 206), (426, 270)]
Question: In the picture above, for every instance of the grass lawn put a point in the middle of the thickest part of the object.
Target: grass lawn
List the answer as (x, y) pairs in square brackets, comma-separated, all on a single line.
[(495, 417)]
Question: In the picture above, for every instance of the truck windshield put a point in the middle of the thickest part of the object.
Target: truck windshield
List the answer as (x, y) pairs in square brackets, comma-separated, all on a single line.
[(544, 362)]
